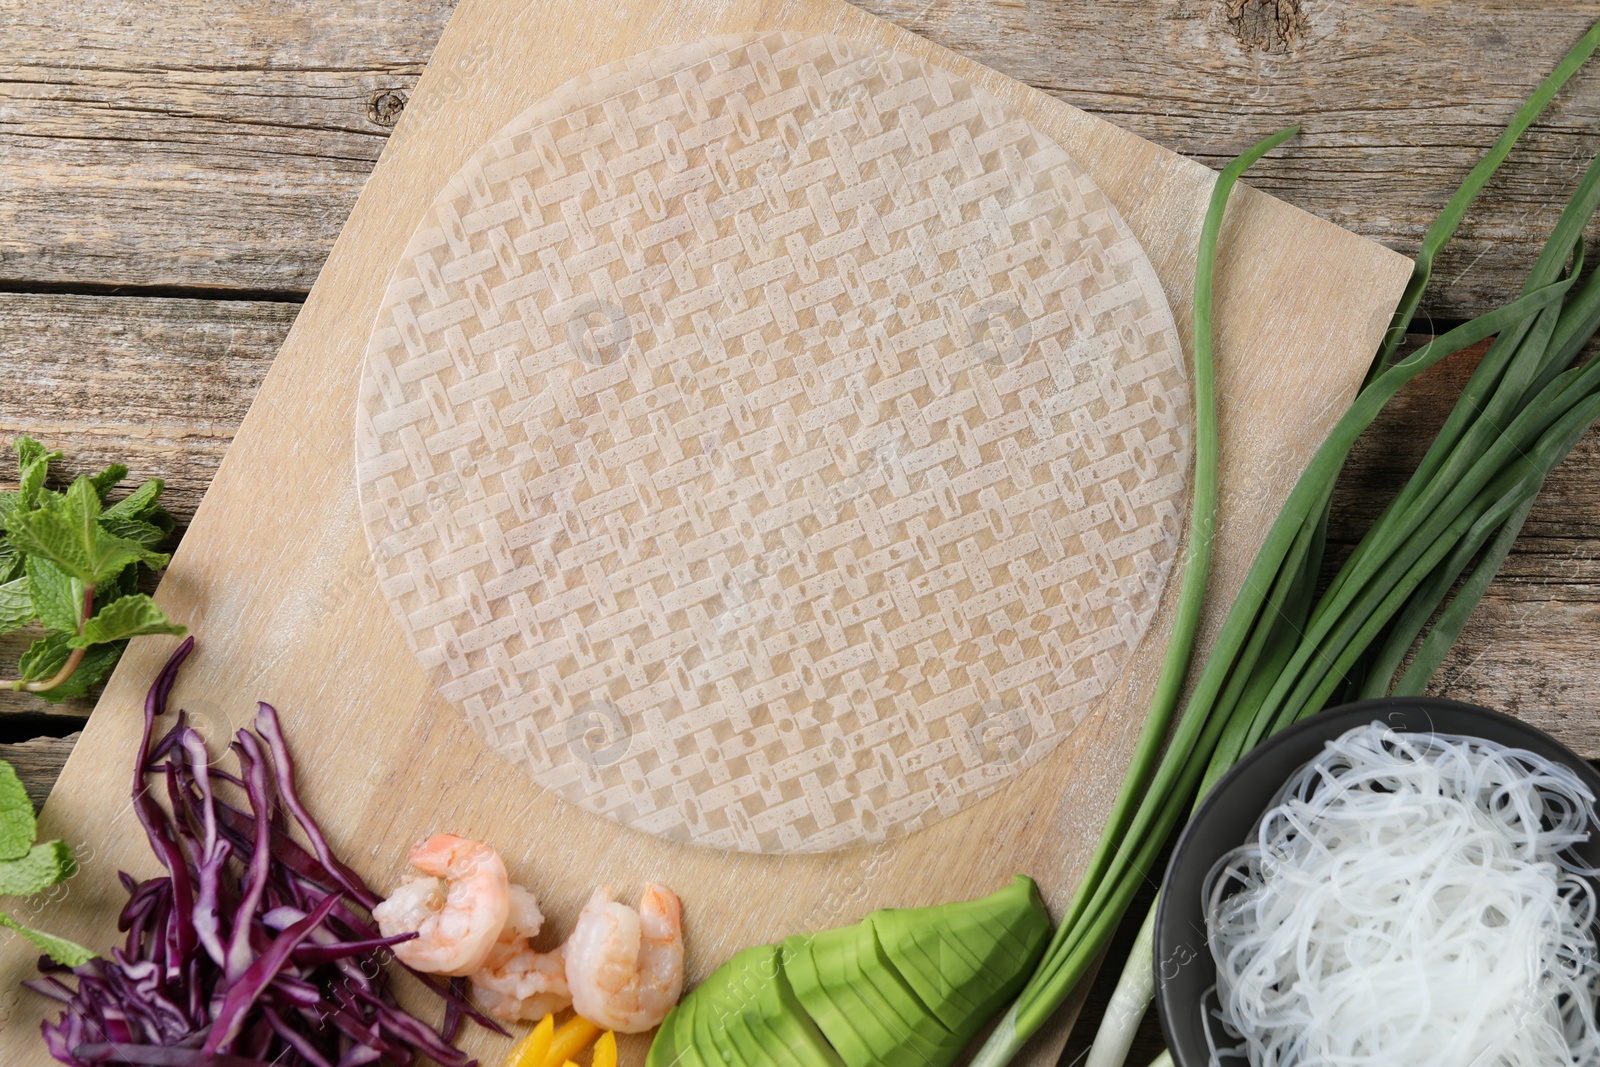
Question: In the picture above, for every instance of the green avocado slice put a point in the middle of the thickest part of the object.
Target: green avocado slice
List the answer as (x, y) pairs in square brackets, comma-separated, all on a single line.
[(857, 1037), (745, 1013), (902, 988), (710, 1033), (964, 960), (674, 1044), (893, 987), (736, 1021), (868, 1013)]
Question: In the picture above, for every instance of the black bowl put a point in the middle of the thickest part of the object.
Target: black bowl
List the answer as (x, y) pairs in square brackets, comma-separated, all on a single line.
[(1230, 814)]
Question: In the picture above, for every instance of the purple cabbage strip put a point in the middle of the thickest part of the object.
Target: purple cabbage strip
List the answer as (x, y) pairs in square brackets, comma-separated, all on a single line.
[(268, 726), (259, 864), (213, 852), (162, 1056), (335, 950), (163, 838), (252, 951), (452, 1014), (243, 992), (302, 1044)]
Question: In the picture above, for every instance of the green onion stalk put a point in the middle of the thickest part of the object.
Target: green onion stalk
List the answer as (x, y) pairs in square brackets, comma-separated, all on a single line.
[(1284, 652)]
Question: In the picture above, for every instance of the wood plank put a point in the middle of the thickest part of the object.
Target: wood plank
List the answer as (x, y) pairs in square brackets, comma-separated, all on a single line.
[(1398, 99), (38, 763), (170, 144), (158, 384), (212, 147), (388, 761)]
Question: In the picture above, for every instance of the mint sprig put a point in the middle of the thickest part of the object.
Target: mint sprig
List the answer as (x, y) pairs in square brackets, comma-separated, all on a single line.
[(27, 868), (69, 561)]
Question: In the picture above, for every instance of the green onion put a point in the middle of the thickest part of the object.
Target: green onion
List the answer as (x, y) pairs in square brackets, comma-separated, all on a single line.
[(1283, 652), (1062, 967), (1202, 525)]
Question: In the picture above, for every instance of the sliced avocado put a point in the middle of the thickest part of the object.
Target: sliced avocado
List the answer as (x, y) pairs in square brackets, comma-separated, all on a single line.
[(731, 1027), (754, 1043), (711, 1036), (744, 1015), (787, 1021), (853, 1036), (674, 1044), (894, 988), (902, 988), (869, 1014), (965, 960)]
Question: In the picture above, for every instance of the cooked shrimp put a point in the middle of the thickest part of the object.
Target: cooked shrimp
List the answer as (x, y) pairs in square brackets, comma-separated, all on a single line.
[(516, 983), (523, 984), (458, 907), (524, 920), (625, 967)]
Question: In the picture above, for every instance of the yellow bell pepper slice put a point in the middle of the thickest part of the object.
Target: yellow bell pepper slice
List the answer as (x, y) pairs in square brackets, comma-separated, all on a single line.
[(571, 1038), (534, 1049), (605, 1050)]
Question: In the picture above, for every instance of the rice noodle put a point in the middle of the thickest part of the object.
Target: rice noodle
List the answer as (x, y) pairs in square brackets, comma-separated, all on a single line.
[(1410, 899)]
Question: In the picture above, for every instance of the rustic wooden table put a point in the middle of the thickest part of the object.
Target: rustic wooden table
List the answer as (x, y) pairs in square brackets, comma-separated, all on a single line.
[(172, 176)]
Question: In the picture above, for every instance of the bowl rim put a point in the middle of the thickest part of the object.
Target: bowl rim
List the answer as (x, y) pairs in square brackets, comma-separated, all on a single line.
[(1172, 950)]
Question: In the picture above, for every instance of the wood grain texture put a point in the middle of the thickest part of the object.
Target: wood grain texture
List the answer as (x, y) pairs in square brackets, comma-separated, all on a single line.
[(282, 599), (247, 130), (38, 763), (159, 385), (1397, 101), (152, 144)]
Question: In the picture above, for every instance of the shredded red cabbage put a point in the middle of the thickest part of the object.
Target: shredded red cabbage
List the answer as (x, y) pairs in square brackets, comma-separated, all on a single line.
[(253, 950)]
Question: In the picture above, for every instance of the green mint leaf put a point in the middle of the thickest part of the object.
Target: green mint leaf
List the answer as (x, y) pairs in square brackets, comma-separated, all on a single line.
[(136, 530), (80, 510), (16, 605), (45, 534), (63, 531), (32, 483), (17, 827), (57, 599), (44, 658), (124, 584), (33, 463), (9, 503), (139, 504), (10, 561), (127, 617), (67, 953), (28, 450), (107, 479), (66, 531), (92, 669), (117, 552), (42, 867)]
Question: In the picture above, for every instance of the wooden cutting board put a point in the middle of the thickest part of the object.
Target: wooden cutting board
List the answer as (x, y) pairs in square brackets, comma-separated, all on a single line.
[(275, 579)]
